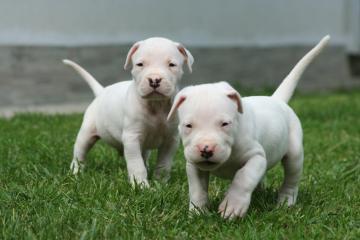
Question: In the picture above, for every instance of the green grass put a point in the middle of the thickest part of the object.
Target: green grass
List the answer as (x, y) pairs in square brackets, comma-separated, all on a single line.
[(40, 199)]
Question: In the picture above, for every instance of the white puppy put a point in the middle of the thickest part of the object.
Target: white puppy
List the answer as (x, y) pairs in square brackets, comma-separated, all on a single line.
[(131, 115), (240, 138)]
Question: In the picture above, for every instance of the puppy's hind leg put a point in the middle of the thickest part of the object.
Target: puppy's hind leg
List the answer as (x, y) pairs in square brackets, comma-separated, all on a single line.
[(85, 139), (293, 165), (166, 153)]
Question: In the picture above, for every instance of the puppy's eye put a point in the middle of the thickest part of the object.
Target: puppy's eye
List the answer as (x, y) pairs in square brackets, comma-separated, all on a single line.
[(139, 64), (172, 65), (188, 125), (225, 124)]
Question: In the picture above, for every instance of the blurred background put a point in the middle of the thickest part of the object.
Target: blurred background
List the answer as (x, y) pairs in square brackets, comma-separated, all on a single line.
[(251, 43)]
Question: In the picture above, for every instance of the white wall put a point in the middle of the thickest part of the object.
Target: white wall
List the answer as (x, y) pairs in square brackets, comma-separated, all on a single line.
[(193, 22)]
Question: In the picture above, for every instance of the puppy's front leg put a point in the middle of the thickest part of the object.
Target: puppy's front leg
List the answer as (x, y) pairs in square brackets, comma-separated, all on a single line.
[(237, 199), (135, 164), (166, 154), (198, 187)]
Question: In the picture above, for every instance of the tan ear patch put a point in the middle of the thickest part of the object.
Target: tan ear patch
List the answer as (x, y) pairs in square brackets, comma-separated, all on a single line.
[(187, 56), (237, 99)]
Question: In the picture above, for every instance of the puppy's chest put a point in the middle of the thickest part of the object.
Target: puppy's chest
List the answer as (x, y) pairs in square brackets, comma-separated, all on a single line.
[(156, 129), (228, 169)]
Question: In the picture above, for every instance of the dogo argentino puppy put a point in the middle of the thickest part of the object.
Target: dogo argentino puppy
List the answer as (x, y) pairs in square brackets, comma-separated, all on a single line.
[(131, 115), (240, 138)]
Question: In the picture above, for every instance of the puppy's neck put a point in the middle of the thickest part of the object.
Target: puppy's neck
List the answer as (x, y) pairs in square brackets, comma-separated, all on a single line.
[(155, 107)]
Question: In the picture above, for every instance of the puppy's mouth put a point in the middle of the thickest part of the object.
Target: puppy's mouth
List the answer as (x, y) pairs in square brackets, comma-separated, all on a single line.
[(154, 95), (207, 165)]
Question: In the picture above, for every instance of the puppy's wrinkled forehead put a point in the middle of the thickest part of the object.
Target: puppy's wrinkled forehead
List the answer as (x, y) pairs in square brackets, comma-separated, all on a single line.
[(206, 102), (158, 47)]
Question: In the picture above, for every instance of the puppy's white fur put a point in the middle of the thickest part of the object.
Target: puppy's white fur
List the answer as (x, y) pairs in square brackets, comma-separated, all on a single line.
[(240, 138), (131, 115)]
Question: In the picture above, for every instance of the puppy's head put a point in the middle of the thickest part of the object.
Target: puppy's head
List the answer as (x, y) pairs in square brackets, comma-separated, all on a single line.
[(157, 66), (208, 116)]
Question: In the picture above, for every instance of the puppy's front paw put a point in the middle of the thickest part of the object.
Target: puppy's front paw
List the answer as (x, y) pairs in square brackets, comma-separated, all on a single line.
[(287, 196), (76, 167), (197, 209), (142, 183), (234, 205)]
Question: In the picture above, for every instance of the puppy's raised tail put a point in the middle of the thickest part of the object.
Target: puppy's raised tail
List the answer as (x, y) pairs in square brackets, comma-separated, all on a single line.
[(286, 89), (94, 85)]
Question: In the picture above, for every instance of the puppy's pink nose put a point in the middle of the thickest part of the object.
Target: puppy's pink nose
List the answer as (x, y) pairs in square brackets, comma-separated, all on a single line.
[(206, 150)]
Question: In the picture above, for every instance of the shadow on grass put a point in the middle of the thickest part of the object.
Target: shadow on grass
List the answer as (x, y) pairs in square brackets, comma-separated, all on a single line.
[(264, 200)]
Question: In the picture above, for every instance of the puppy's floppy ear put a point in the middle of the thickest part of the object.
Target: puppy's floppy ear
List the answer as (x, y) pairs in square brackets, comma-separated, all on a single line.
[(189, 59), (233, 95), (179, 99), (130, 54)]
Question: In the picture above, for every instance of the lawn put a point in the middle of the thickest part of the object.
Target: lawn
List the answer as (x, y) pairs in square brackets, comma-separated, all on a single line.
[(40, 199)]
